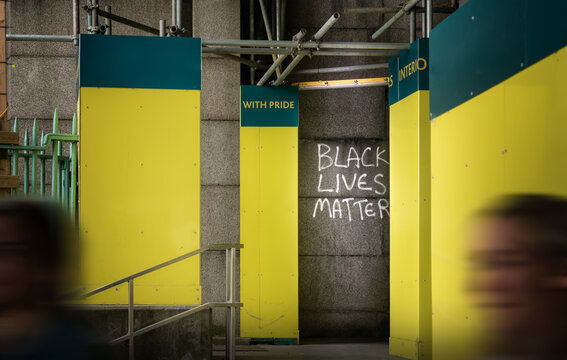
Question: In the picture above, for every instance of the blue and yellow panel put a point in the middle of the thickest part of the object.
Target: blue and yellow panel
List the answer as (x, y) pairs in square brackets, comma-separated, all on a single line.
[(410, 281), (268, 204), (139, 183), (498, 127)]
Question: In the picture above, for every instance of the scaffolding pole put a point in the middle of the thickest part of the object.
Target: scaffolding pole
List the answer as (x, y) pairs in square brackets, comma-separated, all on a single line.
[(76, 22), (318, 35), (128, 22), (341, 69), (341, 49), (307, 44), (268, 30), (395, 18), (252, 36)]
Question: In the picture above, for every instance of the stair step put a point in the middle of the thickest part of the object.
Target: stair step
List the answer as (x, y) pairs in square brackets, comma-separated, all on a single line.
[(219, 340), (9, 138), (9, 182), (240, 348)]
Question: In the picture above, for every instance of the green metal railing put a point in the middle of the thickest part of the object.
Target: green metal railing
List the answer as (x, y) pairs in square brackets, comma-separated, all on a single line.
[(35, 152)]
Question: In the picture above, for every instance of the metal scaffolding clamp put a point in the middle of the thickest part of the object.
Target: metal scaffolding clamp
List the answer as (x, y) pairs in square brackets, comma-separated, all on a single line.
[(90, 6)]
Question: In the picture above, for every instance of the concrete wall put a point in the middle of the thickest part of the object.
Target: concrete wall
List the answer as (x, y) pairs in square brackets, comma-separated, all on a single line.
[(220, 176), (343, 263)]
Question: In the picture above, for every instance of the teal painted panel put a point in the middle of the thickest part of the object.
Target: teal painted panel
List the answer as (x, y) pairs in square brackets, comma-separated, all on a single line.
[(409, 72), (485, 42), (546, 28), (393, 90), (141, 62), (269, 106)]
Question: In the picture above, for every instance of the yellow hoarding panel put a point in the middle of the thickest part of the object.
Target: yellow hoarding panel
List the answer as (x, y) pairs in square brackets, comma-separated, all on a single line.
[(140, 192), (410, 289), (509, 139), (269, 260)]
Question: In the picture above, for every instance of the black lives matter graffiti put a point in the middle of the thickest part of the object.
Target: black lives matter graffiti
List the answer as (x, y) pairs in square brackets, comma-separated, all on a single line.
[(344, 171)]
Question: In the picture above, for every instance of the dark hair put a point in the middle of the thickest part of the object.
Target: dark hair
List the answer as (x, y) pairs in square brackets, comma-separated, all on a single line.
[(544, 215), (44, 228)]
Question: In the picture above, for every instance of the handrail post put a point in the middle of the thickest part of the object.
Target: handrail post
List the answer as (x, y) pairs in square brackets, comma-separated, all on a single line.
[(232, 300), (131, 319), (231, 310)]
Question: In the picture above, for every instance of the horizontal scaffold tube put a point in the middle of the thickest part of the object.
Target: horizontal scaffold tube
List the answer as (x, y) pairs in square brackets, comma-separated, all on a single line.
[(341, 69), (252, 44), (308, 44), (268, 51), (25, 37)]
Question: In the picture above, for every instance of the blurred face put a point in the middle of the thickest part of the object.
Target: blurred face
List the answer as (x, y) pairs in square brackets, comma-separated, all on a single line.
[(18, 273), (506, 278)]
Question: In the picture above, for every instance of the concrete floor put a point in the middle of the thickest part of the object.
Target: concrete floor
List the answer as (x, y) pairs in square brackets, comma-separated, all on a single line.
[(313, 349)]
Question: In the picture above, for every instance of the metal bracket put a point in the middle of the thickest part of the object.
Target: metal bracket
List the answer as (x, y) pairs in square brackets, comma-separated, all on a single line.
[(403, 8), (316, 48), (296, 49), (173, 30), (90, 6)]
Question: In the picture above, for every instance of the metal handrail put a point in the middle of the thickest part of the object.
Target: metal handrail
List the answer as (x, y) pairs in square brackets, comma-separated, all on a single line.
[(160, 266), (229, 304), (172, 319)]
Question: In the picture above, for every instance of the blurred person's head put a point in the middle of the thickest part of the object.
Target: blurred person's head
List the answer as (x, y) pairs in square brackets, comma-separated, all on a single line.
[(519, 253), (36, 250), (33, 239)]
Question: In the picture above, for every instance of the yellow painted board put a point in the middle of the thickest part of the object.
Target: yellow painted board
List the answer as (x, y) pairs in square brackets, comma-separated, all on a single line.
[(509, 139), (269, 260), (405, 348), (249, 225), (279, 231), (410, 281), (140, 192)]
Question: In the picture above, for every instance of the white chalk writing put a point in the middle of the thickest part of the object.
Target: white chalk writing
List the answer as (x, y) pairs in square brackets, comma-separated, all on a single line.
[(351, 208)]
